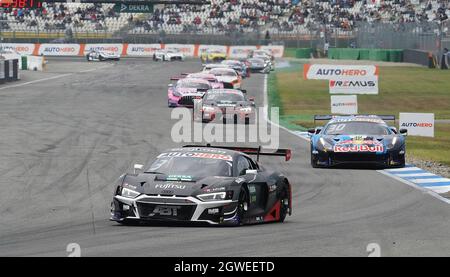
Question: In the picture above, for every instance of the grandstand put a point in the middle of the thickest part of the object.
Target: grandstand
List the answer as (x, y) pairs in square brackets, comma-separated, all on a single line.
[(280, 19)]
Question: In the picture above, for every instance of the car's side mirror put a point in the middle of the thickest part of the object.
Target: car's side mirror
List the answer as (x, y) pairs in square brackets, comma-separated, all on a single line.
[(251, 171), (137, 167), (251, 99), (244, 90), (312, 131), (393, 129), (403, 132)]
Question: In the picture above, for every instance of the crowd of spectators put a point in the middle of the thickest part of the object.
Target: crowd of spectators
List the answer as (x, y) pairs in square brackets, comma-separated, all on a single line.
[(228, 16)]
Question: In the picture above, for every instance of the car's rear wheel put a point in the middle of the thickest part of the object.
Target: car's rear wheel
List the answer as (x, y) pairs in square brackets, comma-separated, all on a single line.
[(284, 204)]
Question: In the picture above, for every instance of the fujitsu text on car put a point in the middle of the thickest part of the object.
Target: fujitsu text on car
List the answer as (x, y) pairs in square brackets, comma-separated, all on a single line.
[(215, 185), (357, 139), (99, 55)]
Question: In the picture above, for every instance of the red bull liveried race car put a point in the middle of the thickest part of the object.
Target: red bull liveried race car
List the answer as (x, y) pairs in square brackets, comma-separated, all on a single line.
[(357, 139), (204, 184)]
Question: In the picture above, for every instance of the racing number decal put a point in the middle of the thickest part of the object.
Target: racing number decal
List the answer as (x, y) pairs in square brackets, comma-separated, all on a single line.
[(165, 210), (336, 127)]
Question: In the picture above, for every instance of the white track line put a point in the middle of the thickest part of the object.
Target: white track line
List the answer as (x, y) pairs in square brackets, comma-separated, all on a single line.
[(266, 113), (434, 180), (384, 172)]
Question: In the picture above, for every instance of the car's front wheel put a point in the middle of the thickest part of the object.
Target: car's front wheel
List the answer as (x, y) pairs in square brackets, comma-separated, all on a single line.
[(242, 206)]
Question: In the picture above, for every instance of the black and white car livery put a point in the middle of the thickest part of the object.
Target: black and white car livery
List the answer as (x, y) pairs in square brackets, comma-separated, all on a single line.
[(98, 55), (205, 184)]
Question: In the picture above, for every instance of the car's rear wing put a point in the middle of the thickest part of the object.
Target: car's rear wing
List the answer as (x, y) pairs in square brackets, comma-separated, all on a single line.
[(258, 151), (328, 117)]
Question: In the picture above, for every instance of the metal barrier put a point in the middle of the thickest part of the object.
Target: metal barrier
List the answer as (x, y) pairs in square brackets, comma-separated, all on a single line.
[(9, 70)]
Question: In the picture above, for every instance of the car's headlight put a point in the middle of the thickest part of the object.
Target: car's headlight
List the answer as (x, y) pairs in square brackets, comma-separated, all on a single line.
[(128, 193), (217, 196), (326, 145), (393, 143), (176, 93)]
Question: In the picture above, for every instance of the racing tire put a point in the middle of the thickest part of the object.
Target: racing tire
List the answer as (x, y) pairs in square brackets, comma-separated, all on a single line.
[(314, 162), (284, 204), (242, 207), (87, 58)]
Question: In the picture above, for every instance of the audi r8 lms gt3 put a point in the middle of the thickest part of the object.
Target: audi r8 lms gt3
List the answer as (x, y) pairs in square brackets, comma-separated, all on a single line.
[(240, 67), (215, 185), (183, 93), (168, 55), (227, 105), (97, 55), (211, 56), (228, 76), (260, 65), (365, 139)]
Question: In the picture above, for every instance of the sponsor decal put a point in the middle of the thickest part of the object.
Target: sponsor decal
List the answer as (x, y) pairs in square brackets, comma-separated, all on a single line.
[(196, 155), (358, 148), (213, 211), (338, 72), (115, 49), (366, 85), (170, 186), (142, 49), (214, 189), (59, 49), (418, 124), (186, 49), (241, 51), (20, 48), (344, 104)]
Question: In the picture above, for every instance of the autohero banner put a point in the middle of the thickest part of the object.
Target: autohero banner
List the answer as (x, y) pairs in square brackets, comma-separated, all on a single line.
[(338, 72)]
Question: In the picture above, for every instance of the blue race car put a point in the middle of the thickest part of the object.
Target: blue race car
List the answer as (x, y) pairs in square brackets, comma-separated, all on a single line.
[(362, 139)]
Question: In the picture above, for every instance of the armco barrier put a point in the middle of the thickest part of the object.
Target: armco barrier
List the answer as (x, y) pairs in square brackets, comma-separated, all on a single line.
[(2, 72), (387, 55)]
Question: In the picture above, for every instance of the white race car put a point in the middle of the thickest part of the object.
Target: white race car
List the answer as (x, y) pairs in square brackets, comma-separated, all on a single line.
[(168, 55), (97, 55)]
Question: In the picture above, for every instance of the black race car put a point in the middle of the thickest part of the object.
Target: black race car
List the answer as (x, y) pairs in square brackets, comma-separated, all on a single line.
[(206, 184)]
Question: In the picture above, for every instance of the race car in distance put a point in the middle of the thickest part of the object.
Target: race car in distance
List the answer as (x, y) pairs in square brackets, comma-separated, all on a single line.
[(213, 56), (228, 76), (261, 54), (357, 139), (168, 55), (206, 76), (259, 65), (204, 184), (227, 105), (240, 67), (98, 55), (183, 93)]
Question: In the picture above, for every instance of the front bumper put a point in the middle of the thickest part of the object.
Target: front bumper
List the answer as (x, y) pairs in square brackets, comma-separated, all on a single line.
[(173, 208), (331, 158)]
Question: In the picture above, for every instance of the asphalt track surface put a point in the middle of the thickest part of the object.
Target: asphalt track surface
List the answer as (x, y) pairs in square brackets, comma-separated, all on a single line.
[(64, 141)]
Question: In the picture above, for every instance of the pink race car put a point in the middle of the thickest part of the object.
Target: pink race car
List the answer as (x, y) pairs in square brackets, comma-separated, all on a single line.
[(183, 93)]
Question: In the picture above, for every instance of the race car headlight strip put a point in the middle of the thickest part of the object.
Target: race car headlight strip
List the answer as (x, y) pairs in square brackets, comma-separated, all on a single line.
[(217, 196), (128, 193), (393, 143), (325, 144)]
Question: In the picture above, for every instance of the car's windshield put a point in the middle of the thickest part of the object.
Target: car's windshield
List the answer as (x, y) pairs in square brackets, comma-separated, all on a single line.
[(356, 128), (225, 97), (192, 164), (193, 84)]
